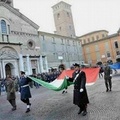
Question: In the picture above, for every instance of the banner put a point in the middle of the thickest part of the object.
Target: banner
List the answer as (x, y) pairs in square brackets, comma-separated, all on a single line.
[(61, 83)]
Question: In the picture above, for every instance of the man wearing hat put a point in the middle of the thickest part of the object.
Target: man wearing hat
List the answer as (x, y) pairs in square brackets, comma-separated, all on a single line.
[(80, 97), (25, 90)]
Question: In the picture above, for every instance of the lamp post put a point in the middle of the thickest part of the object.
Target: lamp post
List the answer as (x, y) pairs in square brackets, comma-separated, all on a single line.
[(60, 58)]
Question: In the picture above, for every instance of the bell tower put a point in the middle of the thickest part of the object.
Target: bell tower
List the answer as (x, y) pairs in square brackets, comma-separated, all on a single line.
[(9, 2), (63, 19)]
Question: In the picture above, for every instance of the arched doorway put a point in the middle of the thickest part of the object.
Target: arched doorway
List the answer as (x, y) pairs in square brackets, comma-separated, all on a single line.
[(9, 69)]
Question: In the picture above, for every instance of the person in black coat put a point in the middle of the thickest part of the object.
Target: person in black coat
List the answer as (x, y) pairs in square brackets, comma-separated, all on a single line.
[(25, 90), (80, 97), (108, 77)]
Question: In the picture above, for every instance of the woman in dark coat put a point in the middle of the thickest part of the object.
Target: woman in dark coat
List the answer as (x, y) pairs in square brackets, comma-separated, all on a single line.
[(10, 89), (80, 97), (25, 90)]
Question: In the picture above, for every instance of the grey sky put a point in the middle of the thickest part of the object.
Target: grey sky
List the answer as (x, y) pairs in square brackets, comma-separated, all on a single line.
[(88, 15)]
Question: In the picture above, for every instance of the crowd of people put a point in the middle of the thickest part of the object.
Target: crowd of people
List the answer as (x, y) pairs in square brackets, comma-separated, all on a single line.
[(22, 84), (47, 77)]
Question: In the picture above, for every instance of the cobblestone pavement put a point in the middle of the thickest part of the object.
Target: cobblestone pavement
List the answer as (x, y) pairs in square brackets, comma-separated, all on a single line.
[(51, 105)]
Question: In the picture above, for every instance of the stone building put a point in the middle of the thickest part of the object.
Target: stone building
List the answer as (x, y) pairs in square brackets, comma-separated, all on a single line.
[(60, 49), (98, 46), (19, 42)]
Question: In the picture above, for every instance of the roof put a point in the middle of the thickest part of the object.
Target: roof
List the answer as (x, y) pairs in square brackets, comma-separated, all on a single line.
[(16, 12), (93, 33), (60, 3)]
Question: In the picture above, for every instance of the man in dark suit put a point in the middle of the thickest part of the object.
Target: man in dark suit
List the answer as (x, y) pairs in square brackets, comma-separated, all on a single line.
[(108, 77), (80, 96), (25, 90)]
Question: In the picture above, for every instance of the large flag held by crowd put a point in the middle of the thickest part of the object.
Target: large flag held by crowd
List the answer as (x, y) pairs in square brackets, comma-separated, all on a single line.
[(61, 82)]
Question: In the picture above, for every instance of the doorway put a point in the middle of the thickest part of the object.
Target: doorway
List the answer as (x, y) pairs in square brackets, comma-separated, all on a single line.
[(9, 69)]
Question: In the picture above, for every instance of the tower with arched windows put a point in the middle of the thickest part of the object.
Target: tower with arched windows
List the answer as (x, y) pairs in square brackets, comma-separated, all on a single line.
[(63, 19)]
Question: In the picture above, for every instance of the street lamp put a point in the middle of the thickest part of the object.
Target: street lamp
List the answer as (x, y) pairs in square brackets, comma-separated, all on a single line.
[(60, 58)]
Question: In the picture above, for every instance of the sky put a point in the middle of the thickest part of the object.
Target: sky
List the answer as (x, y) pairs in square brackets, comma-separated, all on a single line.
[(88, 15)]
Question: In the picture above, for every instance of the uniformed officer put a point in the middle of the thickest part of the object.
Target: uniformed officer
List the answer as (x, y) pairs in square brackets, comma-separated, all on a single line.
[(80, 96), (25, 90), (108, 77)]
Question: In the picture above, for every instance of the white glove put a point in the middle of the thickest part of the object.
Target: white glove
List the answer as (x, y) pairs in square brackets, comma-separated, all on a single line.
[(81, 90), (66, 77), (110, 75)]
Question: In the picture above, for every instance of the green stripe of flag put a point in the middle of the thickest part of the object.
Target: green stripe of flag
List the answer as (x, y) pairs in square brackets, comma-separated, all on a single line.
[(64, 84)]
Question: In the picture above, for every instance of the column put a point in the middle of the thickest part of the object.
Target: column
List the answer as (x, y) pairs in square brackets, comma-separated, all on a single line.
[(46, 63), (41, 63), (21, 62), (1, 71), (38, 65), (16, 73), (28, 65)]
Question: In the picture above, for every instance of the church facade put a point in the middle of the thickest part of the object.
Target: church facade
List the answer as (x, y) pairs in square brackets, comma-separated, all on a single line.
[(19, 43)]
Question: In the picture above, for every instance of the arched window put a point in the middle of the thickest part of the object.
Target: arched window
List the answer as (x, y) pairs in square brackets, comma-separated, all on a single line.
[(58, 16), (3, 27)]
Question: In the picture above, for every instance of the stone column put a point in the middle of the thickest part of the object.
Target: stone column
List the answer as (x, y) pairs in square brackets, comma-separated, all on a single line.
[(41, 63), (28, 65), (21, 62), (1, 70), (16, 69), (46, 63), (38, 65)]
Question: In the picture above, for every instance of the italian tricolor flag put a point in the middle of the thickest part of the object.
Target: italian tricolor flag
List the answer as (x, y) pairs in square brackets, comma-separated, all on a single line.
[(60, 83)]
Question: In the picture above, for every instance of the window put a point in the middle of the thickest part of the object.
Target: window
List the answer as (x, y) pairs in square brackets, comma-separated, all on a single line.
[(62, 41), (60, 28), (68, 42), (68, 15), (97, 37), (70, 27), (3, 27), (96, 48), (73, 43), (98, 55), (87, 50), (117, 52), (53, 40), (92, 38), (43, 37), (103, 35), (84, 41), (108, 54), (3, 38), (58, 16), (88, 40), (31, 44), (79, 43), (107, 48), (116, 44)]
